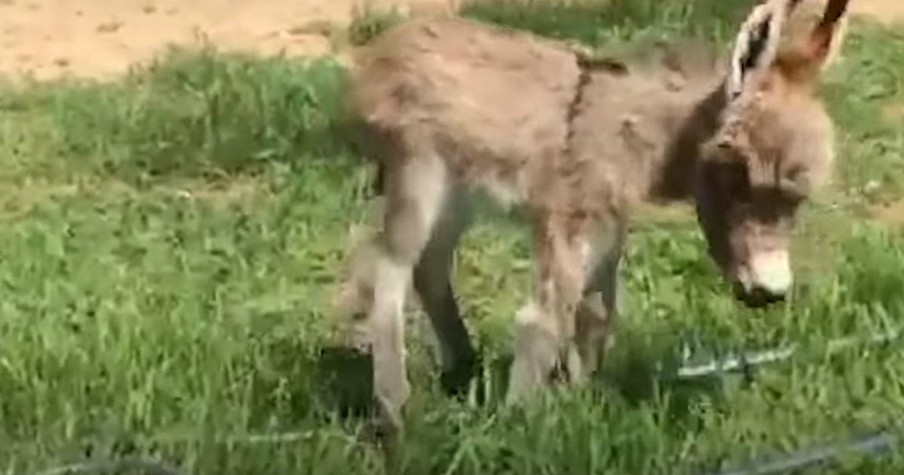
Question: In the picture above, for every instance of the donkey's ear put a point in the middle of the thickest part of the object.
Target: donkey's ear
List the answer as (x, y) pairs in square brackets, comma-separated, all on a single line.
[(757, 43), (826, 37)]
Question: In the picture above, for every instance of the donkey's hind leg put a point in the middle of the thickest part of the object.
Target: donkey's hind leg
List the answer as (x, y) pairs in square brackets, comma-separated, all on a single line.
[(432, 280), (417, 187)]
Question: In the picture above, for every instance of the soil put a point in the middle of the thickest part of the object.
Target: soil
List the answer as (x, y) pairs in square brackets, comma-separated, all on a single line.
[(46, 39), (892, 213)]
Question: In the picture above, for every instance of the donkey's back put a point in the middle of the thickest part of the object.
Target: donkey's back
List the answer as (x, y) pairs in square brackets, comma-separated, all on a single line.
[(469, 93), (518, 114)]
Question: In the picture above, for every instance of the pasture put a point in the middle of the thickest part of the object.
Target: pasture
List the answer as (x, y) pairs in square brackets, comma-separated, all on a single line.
[(170, 242)]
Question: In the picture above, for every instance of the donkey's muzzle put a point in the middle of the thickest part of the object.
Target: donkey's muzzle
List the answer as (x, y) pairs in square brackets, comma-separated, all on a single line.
[(765, 279), (757, 297)]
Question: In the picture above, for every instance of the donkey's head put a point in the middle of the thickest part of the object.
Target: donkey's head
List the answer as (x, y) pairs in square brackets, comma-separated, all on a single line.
[(771, 149)]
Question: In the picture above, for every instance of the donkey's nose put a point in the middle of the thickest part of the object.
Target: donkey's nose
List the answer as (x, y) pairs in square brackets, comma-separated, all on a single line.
[(758, 297)]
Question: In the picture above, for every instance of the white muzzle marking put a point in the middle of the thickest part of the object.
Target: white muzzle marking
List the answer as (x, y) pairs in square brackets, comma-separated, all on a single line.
[(771, 271)]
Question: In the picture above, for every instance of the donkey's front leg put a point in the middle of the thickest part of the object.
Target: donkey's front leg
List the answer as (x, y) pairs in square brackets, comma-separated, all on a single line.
[(547, 325)]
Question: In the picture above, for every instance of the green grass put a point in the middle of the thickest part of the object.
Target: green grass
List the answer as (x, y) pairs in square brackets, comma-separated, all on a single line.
[(610, 24), (170, 241)]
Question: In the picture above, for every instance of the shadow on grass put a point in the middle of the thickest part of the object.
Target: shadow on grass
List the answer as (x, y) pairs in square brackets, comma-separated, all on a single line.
[(641, 373), (304, 384), (345, 378), (638, 373), (346, 381)]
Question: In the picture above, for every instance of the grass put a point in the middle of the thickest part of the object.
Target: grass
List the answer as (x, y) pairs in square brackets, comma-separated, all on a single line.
[(170, 241)]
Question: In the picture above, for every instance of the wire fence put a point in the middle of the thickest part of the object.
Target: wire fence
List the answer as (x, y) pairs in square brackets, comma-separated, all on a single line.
[(749, 360)]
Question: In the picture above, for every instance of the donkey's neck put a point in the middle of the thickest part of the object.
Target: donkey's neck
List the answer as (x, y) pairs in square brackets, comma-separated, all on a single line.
[(637, 136), (694, 122)]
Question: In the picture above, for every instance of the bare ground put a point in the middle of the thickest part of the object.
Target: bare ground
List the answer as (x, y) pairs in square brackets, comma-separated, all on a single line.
[(891, 213), (98, 38)]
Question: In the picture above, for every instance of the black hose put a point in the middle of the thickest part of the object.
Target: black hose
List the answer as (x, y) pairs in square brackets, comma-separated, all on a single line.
[(876, 444)]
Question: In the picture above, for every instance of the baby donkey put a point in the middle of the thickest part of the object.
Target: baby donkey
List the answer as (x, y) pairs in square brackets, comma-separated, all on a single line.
[(455, 106)]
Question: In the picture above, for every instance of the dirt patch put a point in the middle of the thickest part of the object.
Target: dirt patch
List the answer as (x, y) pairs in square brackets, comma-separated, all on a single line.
[(99, 38), (894, 113), (242, 192), (886, 11), (891, 213)]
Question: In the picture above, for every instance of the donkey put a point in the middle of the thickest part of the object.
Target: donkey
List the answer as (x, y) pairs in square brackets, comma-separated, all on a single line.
[(456, 106)]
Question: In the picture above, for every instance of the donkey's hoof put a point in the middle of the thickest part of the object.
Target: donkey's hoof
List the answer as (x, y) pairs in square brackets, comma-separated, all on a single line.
[(384, 431), (456, 381)]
